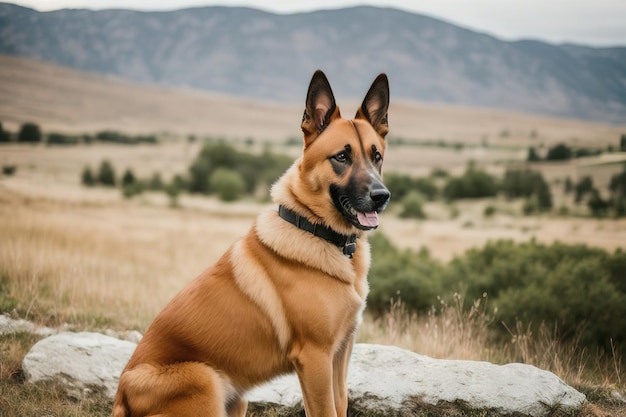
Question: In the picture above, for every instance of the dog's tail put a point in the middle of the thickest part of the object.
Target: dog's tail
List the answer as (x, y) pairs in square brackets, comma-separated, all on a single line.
[(158, 389)]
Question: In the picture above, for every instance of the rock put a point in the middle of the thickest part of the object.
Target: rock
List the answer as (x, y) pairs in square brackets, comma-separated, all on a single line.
[(386, 378), (10, 326), (81, 360)]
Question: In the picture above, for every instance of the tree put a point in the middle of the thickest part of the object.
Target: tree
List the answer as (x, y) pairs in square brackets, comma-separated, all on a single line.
[(584, 186), (412, 206), (533, 156), (227, 183), (87, 177), (106, 174), (128, 178), (559, 152), (29, 132), (622, 143), (4, 135)]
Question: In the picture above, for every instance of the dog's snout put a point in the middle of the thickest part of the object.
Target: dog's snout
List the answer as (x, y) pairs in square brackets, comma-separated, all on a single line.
[(380, 195)]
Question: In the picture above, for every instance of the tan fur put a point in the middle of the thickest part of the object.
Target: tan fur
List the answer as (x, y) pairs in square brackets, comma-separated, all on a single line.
[(279, 300)]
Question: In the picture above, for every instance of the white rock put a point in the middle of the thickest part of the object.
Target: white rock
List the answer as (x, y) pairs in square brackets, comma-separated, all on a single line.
[(81, 360), (381, 378), (384, 378), (10, 326)]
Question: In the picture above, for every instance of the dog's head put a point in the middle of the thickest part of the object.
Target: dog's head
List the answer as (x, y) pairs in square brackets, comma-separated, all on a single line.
[(339, 175)]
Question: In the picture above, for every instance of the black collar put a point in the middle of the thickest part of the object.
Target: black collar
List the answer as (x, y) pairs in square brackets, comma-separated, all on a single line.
[(346, 242)]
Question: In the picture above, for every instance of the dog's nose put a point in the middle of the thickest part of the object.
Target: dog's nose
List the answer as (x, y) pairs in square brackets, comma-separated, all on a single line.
[(380, 195)]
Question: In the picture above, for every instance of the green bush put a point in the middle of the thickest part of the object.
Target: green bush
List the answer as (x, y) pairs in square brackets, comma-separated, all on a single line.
[(87, 177), (414, 277), (61, 139), (4, 135), (9, 170), (106, 174), (400, 185), (155, 183), (255, 170), (228, 184), (578, 290), (582, 188), (473, 184), (29, 132), (559, 152), (412, 206)]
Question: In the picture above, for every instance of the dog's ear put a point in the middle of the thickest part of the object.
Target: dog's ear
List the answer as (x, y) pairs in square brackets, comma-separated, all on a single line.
[(376, 104), (320, 107)]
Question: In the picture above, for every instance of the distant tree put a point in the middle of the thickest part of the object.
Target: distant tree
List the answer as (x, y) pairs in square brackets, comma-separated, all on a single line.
[(597, 204), (584, 186), (227, 183), (533, 156), (4, 135), (412, 206), (106, 174), (559, 152), (29, 132), (128, 178), (87, 177), (569, 185), (155, 183), (622, 143)]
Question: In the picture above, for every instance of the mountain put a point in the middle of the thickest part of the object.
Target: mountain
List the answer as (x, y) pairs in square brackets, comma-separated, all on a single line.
[(248, 52)]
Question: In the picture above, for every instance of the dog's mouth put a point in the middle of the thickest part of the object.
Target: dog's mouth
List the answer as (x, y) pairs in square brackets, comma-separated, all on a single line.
[(364, 220)]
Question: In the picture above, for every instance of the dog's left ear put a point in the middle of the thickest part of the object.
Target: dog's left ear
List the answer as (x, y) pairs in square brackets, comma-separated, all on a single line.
[(376, 104)]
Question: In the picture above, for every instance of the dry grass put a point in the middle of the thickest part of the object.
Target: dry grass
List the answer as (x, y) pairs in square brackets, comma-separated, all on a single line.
[(94, 260), (102, 265), (115, 264)]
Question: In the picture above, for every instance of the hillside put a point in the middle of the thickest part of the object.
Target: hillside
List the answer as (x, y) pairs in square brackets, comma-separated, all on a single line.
[(251, 53), (68, 100)]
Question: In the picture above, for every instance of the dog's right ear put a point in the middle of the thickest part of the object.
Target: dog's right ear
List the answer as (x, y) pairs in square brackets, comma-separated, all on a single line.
[(320, 109)]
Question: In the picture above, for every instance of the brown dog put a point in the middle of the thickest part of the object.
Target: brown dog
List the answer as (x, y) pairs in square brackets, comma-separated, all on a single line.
[(286, 297)]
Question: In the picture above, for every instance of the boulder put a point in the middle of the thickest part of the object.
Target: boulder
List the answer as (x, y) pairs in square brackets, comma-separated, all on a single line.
[(384, 380), (390, 380), (82, 361)]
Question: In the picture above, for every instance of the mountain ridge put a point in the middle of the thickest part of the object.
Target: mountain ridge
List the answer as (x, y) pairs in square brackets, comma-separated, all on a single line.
[(255, 53)]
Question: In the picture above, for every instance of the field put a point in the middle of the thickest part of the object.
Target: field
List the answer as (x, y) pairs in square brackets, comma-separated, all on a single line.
[(94, 260)]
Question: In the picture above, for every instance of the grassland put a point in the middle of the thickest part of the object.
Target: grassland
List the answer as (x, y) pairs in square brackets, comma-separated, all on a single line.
[(92, 260)]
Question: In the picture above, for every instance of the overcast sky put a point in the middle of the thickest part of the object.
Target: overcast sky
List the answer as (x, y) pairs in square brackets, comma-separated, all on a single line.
[(590, 22)]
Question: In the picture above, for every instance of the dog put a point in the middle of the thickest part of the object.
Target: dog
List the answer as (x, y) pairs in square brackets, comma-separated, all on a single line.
[(286, 297)]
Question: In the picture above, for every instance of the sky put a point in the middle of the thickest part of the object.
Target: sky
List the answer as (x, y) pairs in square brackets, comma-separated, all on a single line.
[(587, 22)]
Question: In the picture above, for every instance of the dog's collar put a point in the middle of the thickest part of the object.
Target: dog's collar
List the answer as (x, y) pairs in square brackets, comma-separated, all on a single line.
[(347, 243)]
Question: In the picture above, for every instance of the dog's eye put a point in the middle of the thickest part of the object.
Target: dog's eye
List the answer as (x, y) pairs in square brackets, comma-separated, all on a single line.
[(377, 157), (341, 157)]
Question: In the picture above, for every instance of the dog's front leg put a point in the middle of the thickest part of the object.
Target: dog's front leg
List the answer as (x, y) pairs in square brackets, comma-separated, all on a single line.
[(340, 377), (314, 368)]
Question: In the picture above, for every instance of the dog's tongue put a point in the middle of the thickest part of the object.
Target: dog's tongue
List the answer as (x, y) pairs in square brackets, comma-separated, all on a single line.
[(369, 219)]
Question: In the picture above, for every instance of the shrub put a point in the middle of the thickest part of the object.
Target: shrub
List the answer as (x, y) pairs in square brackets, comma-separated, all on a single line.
[(87, 178), (412, 206), (414, 277), (4, 135), (155, 183), (559, 152), (598, 206), (533, 156), (255, 170), (106, 174), (583, 187), (9, 170), (577, 288), (29, 132), (227, 183), (489, 211), (400, 185), (128, 178), (61, 139), (473, 184)]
